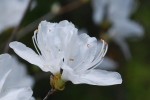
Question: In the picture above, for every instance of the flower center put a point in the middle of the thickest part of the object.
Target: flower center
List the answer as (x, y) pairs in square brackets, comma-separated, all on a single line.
[(56, 82)]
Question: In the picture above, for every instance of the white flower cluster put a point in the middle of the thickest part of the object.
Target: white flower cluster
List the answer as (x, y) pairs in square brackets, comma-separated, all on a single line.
[(12, 11), (118, 12), (68, 55), (14, 82)]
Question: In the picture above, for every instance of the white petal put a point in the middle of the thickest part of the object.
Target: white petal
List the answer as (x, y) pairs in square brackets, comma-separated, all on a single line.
[(93, 77), (17, 74), (3, 79), (10, 73), (123, 29), (86, 52), (126, 29), (11, 9), (4, 70), (26, 53), (5, 60), (52, 38), (18, 94), (99, 8), (120, 9), (100, 53)]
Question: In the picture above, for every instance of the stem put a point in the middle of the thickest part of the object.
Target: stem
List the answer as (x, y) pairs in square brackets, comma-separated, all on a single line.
[(50, 92)]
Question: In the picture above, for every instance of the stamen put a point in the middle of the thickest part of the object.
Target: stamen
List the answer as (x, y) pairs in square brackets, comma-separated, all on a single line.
[(101, 55), (106, 48), (35, 41)]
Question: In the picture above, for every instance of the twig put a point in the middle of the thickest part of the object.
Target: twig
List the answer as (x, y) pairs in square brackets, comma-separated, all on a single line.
[(17, 27), (31, 27), (49, 93)]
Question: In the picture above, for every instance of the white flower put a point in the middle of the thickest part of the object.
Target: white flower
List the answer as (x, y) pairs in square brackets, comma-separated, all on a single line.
[(120, 9), (11, 12), (118, 12), (99, 9), (14, 85), (122, 30), (112, 10), (69, 56)]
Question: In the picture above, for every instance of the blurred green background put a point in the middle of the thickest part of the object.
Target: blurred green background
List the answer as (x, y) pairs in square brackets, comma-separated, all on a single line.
[(135, 72)]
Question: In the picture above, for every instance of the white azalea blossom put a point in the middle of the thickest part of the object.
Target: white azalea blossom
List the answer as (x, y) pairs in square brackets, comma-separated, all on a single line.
[(112, 10), (99, 10), (122, 30), (67, 54), (120, 9), (14, 83), (19, 74), (11, 12), (118, 13)]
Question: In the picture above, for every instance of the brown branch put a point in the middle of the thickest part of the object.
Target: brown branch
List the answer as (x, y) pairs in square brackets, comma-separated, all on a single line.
[(31, 27), (14, 33)]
